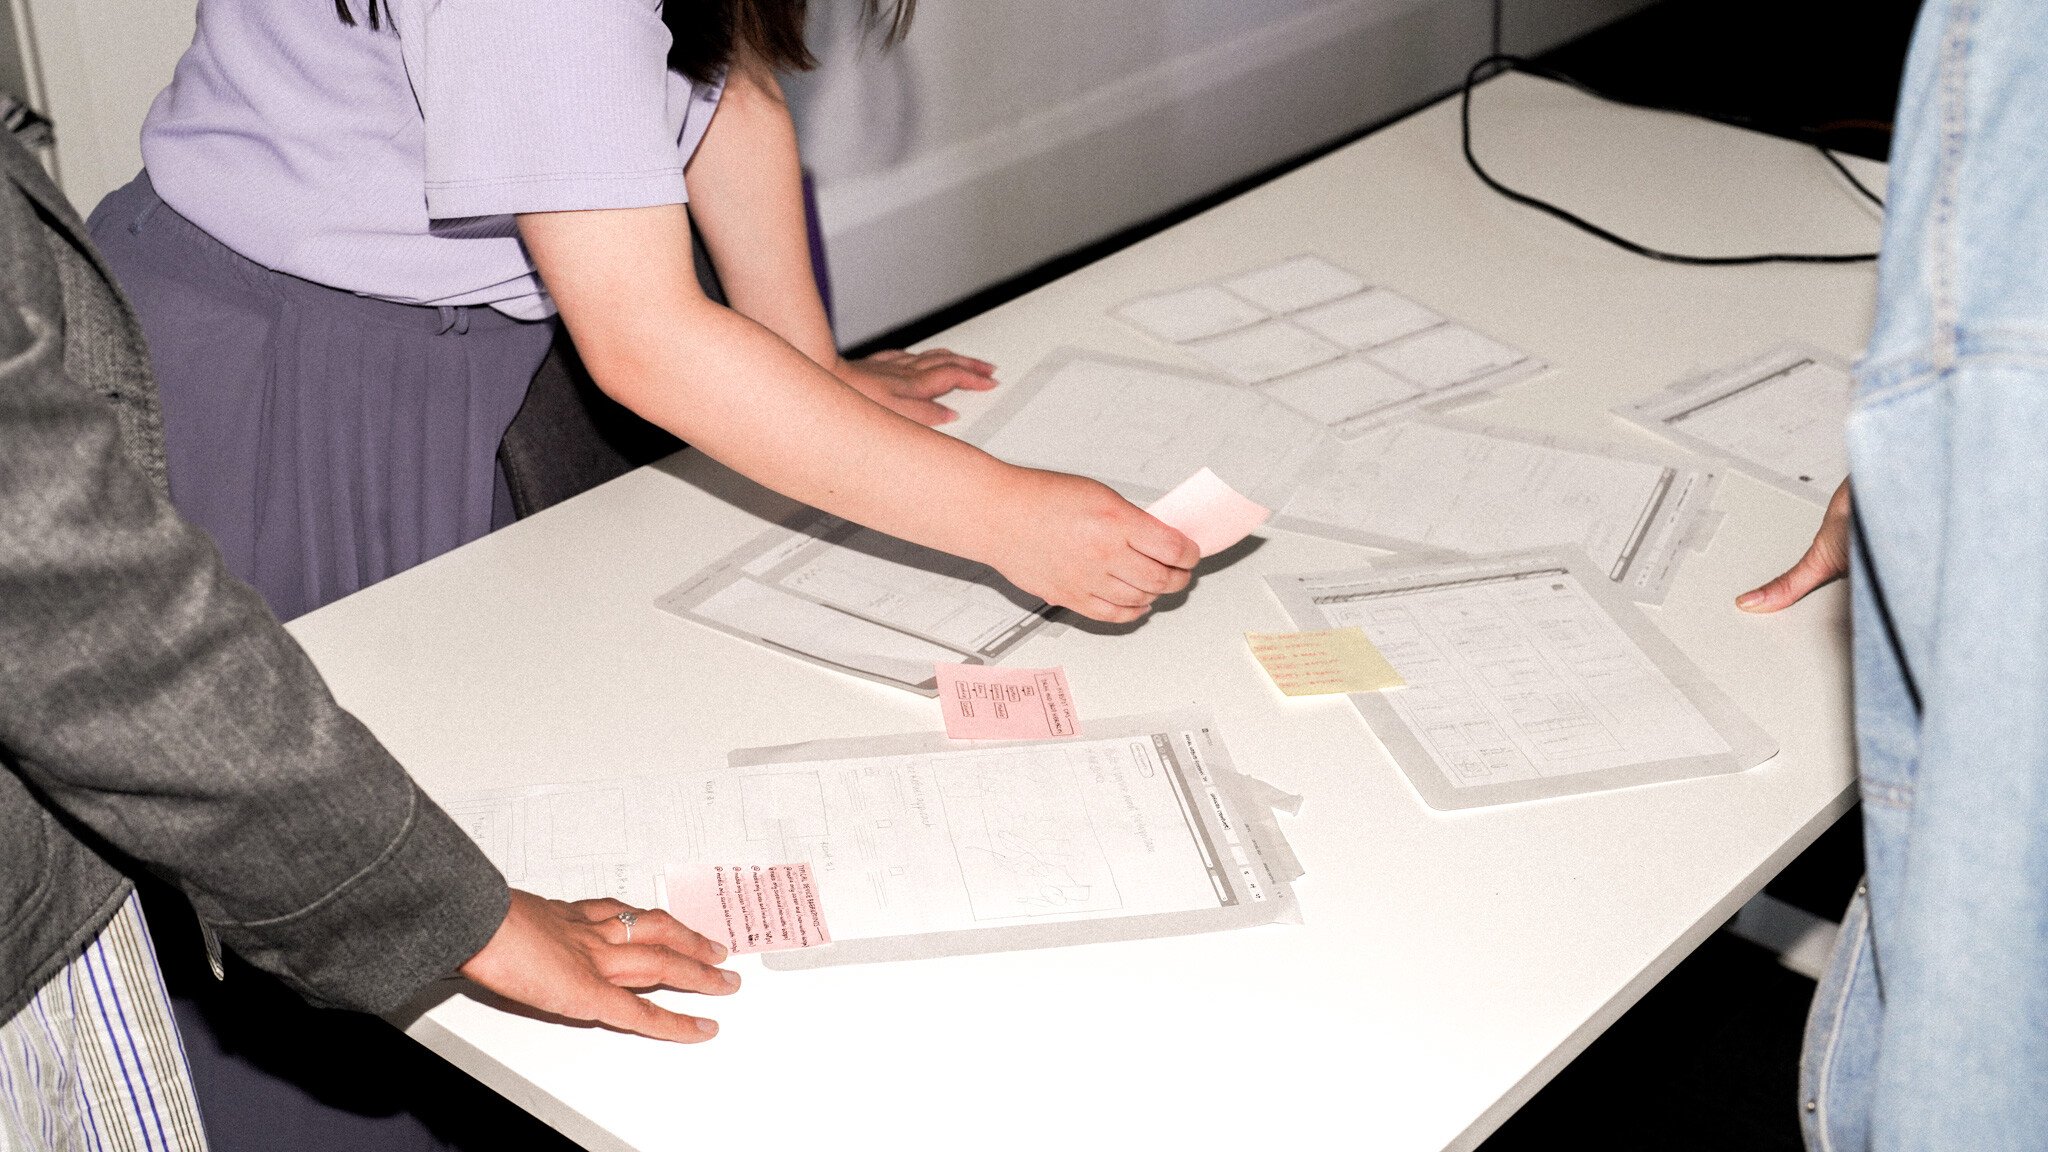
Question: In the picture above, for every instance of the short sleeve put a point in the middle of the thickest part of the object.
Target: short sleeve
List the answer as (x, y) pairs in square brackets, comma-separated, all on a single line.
[(546, 105)]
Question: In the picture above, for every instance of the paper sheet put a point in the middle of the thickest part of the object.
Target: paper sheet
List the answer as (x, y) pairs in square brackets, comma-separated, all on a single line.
[(1322, 661), (923, 847), (1367, 319), (1527, 678), (859, 601), (1350, 396), (749, 907), (1143, 428), (1294, 284), (1779, 418), (1432, 484), (984, 703), (1287, 327), (1446, 356), (1265, 351), (1191, 313), (1209, 512), (578, 841), (917, 845)]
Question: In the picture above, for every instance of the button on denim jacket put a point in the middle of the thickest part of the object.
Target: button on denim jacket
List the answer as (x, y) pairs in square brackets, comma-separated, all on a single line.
[(1930, 1030)]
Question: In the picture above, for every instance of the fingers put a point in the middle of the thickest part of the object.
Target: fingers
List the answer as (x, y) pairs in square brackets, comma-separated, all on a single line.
[(1812, 571), (638, 965), (927, 382), (1825, 561), (938, 358), (1164, 543), (650, 926), (1149, 576), (620, 1009), (1096, 608), (925, 412)]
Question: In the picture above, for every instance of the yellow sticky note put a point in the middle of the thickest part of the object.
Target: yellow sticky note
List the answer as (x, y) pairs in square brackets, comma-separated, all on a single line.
[(1323, 662)]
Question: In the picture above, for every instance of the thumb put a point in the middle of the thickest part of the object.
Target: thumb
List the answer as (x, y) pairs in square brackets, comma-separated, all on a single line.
[(1814, 569)]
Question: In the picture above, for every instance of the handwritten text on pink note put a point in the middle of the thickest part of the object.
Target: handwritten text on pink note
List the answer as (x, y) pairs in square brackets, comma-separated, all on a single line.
[(1209, 512), (986, 703), (749, 907)]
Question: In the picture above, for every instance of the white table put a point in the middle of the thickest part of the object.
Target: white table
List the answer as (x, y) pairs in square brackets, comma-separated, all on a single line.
[(1449, 964)]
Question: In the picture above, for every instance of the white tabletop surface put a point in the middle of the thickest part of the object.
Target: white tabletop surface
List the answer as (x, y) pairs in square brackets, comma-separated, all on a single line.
[(1449, 964)]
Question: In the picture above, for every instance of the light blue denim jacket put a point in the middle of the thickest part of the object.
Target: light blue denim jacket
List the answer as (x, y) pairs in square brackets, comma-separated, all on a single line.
[(1930, 1030)]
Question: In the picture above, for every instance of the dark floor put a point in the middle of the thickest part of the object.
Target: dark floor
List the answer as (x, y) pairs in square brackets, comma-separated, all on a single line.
[(1707, 1060)]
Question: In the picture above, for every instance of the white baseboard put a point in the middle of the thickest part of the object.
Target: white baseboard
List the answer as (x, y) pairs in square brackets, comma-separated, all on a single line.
[(912, 238)]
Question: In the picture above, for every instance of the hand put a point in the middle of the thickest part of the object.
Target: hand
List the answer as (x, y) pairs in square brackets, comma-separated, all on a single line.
[(909, 383), (1825, 562), (573, 961), (1077, 544)]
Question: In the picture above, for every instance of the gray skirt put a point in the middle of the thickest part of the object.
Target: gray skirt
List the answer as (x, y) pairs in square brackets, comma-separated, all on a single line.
[(325, 440)]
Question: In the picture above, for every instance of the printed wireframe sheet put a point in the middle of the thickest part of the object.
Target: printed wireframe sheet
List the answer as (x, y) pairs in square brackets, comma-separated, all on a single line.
[(1319, 339), (1528, 677), (1427, 486), (1779, 418), (1142, 428), (922, 846), (856, 600), (579, 841), (1439, 485)]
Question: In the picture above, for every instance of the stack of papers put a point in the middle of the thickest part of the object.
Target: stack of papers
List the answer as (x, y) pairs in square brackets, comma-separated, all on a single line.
[(1430, 485), (1778, 418), (837, 594), (1526, 678), (898, 847), (1319, 339)]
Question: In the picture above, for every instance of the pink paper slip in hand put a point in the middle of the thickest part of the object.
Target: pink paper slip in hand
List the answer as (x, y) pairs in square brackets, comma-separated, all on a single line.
[(985, 703), (1209, 512), (748, 907)]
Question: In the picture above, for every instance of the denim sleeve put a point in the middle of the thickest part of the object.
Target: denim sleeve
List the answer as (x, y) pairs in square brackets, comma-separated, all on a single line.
[(1949, 449), (151, 698)]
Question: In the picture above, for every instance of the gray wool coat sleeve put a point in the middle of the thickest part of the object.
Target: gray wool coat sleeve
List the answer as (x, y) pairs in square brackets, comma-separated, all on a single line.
[(149, 702)]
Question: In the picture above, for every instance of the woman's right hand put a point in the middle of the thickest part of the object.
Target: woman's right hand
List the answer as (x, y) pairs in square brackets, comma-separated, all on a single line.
[(1075, 543)]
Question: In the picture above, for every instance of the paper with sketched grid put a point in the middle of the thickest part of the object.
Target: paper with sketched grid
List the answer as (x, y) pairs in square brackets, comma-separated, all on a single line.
[(1527, 677)]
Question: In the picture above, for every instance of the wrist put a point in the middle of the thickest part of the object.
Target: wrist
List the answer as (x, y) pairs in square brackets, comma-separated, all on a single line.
[(988, 536)]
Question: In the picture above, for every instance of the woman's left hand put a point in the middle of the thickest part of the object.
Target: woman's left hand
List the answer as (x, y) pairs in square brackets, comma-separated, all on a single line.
[(909, 383)]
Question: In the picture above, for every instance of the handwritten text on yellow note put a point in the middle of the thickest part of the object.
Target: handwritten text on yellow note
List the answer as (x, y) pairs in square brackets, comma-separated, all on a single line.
[(1323, 662)]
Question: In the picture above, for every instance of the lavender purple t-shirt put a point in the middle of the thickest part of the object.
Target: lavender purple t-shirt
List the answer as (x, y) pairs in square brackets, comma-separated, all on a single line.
[(389, 162)]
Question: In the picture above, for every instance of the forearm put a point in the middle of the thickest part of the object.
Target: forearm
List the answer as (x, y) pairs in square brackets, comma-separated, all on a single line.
[(746, 196), (151, 697), (743, 395)]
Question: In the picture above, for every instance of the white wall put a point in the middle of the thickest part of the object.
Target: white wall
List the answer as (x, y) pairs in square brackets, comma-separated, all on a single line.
[(1000, 135), (99, 64)]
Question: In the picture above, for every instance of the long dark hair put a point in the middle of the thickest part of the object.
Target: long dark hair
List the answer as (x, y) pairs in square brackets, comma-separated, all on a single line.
[(705, 35)]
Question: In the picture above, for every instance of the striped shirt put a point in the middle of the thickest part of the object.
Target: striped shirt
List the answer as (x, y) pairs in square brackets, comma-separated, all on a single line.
[(94, 1063)]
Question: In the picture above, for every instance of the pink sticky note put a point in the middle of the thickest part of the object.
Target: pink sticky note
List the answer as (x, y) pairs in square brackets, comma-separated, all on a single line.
[(985, 703), (1209, 512), (749, 907)]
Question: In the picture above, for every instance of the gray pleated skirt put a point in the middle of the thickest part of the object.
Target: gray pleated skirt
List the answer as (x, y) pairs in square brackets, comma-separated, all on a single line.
[(325, 440)]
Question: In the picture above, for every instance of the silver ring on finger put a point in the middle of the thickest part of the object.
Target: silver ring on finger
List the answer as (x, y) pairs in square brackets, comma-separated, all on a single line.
[(629, 919)]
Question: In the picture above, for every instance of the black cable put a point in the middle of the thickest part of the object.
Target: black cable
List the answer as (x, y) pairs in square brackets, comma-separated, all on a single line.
[(1497, 21), (1861, 188), (1504, 61)]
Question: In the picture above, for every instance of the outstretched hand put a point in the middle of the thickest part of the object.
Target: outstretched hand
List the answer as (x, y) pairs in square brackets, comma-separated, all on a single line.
[(1826, 561), (573, 960), (1075, 543), (910, 383)]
